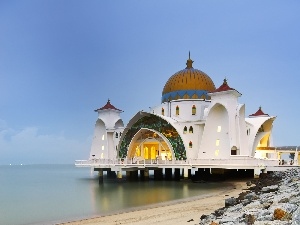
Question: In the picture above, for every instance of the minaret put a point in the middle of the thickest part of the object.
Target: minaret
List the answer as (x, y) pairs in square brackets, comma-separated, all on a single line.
[(107, 132)]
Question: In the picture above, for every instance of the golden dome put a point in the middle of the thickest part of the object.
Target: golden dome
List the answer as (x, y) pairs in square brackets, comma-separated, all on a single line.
[(188, 83)]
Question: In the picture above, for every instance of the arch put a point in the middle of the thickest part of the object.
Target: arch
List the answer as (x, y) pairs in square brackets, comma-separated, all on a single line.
[(156, 123), (149, 144), (190, 144), (117, 135), (99, 138), (162, 111), (234, 150), (119, 123), (191, 130), (216, 128)]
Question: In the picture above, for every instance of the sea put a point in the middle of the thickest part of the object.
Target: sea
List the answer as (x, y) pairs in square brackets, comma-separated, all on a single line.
[(50, 194)]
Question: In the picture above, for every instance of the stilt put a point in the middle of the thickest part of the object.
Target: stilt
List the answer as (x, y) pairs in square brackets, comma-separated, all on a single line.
[(127, 175), (146, 174), (256, 172), (119, 175), (100, 176), (185, 173)]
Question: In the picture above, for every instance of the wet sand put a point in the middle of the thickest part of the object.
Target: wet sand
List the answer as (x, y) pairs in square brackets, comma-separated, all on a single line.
[(185, 211)]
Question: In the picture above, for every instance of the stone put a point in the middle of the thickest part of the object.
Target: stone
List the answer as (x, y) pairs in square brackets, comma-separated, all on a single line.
[(230, 202)]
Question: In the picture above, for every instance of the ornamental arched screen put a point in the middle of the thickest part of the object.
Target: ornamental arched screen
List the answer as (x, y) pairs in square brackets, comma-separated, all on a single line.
[(158, 124)]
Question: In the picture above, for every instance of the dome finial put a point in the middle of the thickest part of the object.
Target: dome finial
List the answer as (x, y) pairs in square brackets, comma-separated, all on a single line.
[(189, 62)]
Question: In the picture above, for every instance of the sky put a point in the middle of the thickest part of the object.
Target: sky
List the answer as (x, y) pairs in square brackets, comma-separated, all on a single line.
[(62, 59)]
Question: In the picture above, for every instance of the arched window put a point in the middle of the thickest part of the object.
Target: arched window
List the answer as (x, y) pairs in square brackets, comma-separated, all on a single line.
[(184, 129), (177, 110), (191, 130), (120, 134), (190, 144), (117, 135), (194, 110), (162, 111)]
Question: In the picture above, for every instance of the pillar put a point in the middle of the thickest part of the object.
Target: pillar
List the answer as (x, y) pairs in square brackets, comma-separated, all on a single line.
[(100, 176), (185, 173), (119, 175), (256, 172), (127, 175), (146, 174)]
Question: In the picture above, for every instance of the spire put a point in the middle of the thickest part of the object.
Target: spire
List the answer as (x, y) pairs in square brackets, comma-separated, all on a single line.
[(259, 113), (189, 62)]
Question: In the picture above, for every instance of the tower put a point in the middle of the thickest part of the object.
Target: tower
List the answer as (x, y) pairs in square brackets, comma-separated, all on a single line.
[(108, 130)]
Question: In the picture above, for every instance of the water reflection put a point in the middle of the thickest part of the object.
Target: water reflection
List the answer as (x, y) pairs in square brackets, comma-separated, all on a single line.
[(113, 196)]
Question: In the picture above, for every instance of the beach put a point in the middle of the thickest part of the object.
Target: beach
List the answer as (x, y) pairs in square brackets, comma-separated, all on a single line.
[(184, 211)]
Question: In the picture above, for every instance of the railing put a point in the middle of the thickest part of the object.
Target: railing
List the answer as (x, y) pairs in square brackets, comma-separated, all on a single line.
[(242, 161)]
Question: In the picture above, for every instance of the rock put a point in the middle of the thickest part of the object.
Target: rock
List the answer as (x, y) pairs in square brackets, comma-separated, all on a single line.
[(249, 219), (296, 217), (230, 202), (203, 217), (284, 200), (269, 189), (280, 214), (213, 223)]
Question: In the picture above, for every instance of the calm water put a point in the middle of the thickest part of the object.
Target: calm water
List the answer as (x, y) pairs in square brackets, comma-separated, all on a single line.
[(46, 194)]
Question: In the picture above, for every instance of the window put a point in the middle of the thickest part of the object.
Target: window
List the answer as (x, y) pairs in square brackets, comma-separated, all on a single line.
[(194, 110), (102, 147), (219, 129), (117, 135), (217, 152), (184, 129), (103, 137), (190, 144), (162, 111), (191, 130), (234, 150), (120, 134), (177, 110), (217, 142), (102, 155)]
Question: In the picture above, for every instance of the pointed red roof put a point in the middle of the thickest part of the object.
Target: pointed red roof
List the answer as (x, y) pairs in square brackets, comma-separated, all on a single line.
[(223, 87), (259, 113), (108, 106)]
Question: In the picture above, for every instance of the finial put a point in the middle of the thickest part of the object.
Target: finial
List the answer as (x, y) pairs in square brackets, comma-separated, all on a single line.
[(189, 62), (225, 81), (108, 101)]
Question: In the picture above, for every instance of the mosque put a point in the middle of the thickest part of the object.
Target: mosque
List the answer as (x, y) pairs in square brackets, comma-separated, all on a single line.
[(195, 127)]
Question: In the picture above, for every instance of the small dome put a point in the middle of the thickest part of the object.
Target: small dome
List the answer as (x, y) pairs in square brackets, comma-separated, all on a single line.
[(188, 83)]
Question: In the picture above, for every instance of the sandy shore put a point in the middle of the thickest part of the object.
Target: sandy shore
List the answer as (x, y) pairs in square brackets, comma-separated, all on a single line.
[(186, 211)]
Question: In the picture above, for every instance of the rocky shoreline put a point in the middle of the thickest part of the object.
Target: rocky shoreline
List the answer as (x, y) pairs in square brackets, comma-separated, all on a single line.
[(273, 199)]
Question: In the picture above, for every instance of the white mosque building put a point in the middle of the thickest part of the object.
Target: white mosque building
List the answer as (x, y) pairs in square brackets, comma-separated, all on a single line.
[(195, 126)]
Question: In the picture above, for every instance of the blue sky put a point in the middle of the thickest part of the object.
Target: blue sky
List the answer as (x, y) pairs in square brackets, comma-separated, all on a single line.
[(60, 60)]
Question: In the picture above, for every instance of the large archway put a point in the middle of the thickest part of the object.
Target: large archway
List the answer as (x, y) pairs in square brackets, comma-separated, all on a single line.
[(149, 144), (158, 126)]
